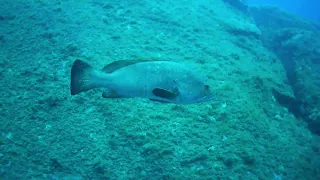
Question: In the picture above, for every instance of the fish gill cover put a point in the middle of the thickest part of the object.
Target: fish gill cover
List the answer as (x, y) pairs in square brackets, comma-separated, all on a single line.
[(262, 66)]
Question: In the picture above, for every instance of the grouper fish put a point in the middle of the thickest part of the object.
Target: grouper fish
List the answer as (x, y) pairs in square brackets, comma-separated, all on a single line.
[(157, 80)]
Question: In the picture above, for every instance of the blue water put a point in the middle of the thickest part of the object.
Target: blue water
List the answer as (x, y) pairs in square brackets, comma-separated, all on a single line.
[(309, 9)]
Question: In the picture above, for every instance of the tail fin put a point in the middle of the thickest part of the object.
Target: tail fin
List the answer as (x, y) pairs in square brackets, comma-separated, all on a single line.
[(81, 77)]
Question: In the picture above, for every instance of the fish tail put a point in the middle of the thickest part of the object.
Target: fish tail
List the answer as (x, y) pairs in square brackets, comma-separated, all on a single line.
[(82, 77)]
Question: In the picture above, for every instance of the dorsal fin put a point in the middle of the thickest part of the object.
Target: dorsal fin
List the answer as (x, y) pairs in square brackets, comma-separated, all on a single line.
[(123, 63), (119, 64)]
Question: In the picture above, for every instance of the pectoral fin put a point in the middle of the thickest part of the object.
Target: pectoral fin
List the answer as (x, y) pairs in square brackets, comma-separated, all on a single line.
[(166, 94)]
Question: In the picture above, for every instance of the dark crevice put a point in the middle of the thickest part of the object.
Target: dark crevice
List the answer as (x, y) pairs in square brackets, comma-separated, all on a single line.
[(291, 103)]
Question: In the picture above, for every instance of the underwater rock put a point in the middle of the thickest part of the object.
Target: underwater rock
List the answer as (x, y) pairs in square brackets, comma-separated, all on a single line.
[(273, 18), (300, 54), (240, 27), (243, 28), (291, 103), (239, 4), (314, 123), (7, 18), (236, 23), (297, 43)]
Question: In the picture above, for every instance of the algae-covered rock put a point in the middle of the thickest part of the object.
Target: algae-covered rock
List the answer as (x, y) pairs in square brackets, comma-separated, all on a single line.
[(241, 27), (238, 4)]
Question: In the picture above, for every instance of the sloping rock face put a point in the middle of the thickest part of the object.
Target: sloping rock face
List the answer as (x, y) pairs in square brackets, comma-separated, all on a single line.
[(48, 134), (297, 44), (238, 4)]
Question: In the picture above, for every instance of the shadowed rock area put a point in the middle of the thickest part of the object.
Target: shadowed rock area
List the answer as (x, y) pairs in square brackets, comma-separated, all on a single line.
[(297, 43)]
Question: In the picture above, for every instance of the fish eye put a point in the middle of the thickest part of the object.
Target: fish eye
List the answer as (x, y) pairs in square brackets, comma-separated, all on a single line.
[(206, 87)]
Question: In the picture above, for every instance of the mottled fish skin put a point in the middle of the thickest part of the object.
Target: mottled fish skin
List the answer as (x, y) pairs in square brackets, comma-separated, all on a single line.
[(162, 81)]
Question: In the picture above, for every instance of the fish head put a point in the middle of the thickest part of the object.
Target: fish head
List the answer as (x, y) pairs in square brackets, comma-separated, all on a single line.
[(195, 94), (193, 90)]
